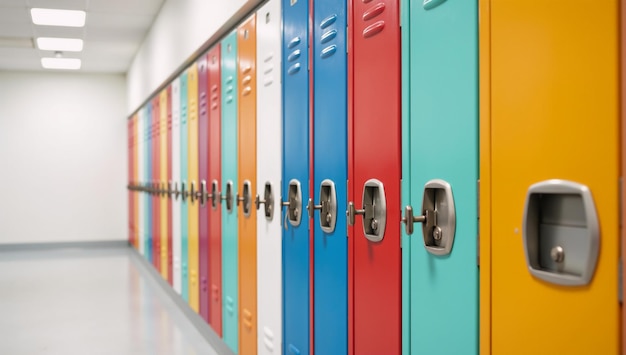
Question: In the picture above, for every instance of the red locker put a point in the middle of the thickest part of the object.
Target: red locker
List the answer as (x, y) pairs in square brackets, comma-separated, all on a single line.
[(203, 172), (156, 168), (215, 173), (170, 276), (374, 174)]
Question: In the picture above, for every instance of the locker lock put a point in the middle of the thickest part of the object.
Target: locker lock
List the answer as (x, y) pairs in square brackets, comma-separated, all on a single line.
[(228, 196), (169, 189), (327, 206), (162, 189), (193, 195), (374, 210), (267, 201), (438, 217), (293, 203), (214, 195), (246, 198), (183, 191)]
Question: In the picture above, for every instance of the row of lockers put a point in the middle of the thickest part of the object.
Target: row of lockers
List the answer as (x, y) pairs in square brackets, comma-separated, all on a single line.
[(399, 177)]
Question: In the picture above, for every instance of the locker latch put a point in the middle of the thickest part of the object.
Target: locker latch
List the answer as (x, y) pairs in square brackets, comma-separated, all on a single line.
[(203, 194), (228, 196), (561, 232), (438, 217), (176, 192), (192, 192), (293, 203), (327, 206), (246, 198), (183, 191), (267, 201), (214, 195), (169, 189), (374, 210)]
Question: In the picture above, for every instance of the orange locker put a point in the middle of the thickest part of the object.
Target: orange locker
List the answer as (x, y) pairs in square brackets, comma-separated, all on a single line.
[(246, 43), (549, 153)]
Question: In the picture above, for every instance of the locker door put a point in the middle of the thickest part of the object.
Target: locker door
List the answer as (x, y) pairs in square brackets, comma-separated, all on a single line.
[(295, 182), (623, 155), (441, 266), (230, 213), (163, 181), (156, 176), (176, 204), (246, 45), (552, 176), (192, 161), (184, 215), (139, 133), (374, 178), (136, 194), (148, 161), (269, 157), (170, 186), (203, 172), (329, 177), (213, 185)]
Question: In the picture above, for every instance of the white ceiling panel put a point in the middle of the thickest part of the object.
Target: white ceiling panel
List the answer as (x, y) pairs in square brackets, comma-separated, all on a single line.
[(113, 32)]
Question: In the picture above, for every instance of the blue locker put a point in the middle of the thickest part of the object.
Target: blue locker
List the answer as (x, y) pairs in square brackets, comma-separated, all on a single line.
[(330, 170), (295, 184), (184, 215), (230, 267), (148, 161)]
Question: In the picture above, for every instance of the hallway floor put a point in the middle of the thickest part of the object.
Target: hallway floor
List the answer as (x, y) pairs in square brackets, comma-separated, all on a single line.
[(88, 301)]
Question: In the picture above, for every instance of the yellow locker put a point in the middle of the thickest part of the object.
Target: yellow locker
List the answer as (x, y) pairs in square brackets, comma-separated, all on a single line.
[(192, 159), (549, 110)]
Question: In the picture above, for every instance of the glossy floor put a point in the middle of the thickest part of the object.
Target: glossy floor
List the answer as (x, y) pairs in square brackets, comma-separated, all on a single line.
[(86, 301)]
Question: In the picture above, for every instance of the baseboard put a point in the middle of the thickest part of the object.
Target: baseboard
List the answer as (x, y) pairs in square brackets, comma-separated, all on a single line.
[(99, 244), (198, 322)]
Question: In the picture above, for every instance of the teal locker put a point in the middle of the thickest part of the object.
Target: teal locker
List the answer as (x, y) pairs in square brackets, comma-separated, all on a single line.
[(439, 180)]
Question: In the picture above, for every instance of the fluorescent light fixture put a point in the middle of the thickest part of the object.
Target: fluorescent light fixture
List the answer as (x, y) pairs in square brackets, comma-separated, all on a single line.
[(54, 17), (60, 44), (60, 63)]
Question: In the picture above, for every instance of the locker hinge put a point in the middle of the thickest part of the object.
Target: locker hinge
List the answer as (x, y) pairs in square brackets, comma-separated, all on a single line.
[(478, 223)]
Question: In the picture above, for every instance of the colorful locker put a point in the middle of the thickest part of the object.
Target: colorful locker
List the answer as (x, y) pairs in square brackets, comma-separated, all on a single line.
[(215, 178), (374, 167), (177, 201), (230, 310), (269, 158), (192, 161), (163, 159), (148, 124), (140, 141), (295, 182), (184, 193), (136, 166), (203, 173), (439, 261), (549, 177), (170, 252), (623, 162), (156, 183), (131, 205), (246, 45), (329, 175)]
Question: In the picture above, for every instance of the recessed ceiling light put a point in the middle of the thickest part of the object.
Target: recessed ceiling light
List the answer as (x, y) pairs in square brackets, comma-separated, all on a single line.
[(60, 63), (60, 44), (54, 17)]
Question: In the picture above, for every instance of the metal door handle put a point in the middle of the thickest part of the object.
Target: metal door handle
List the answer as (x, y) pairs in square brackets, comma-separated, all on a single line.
[(192, 192), (311, 207), (183, 191), (352, 212), (202, 194)]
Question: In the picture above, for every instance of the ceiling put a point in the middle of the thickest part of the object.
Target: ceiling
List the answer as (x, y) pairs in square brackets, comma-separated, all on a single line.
[(113, 32)]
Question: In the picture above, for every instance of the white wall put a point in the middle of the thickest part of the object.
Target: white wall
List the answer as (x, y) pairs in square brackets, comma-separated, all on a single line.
[(62, 157), (180, 29)]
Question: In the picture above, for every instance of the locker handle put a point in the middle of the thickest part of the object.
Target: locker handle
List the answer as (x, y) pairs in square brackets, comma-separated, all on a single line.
[(311, 207), (245, 198), (268, 201), (327, 206), (438, 217), (169, 189), (214, 195), (176, 192), (183, 191), (228, 196), (374, 210), (202, 194), (192, 192)]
